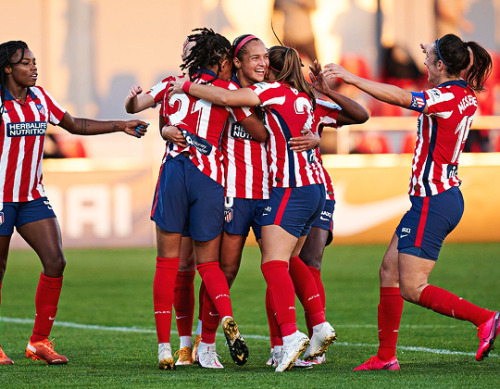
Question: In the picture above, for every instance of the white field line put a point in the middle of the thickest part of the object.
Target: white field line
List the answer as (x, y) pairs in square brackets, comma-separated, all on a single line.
[(262, 337)]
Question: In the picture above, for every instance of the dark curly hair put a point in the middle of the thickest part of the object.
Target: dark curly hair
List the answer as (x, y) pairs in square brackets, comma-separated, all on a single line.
[(7, 50), (210, 49)]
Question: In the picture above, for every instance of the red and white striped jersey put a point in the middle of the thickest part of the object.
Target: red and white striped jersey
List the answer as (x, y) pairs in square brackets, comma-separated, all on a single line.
[(326, 113), (245, 161), (202, 124), (159, 91), (22, 138), (286, 113), (441, 138)]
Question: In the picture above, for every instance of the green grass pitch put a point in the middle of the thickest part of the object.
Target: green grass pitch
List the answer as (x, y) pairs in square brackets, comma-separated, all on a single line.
[(105, 325)]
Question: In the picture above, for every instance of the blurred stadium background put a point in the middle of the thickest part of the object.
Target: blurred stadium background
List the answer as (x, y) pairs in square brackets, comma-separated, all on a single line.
[(90, 52)]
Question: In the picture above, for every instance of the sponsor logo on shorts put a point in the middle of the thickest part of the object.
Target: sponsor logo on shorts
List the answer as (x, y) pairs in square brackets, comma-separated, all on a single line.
[(326, 216), (267, 211), (46, 202), (405, 231)]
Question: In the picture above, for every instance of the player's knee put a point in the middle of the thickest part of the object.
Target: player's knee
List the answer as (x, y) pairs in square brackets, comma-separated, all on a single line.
[(55, 266)]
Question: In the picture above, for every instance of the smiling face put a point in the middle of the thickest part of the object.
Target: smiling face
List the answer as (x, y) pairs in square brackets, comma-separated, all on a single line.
[(253, 66), (22, 74)]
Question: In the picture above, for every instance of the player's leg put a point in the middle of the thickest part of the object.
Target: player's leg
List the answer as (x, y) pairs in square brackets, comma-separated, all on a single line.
[(184, 301), (230, 255), (167, 265), (44, 237), (390, 309), (4, 251)]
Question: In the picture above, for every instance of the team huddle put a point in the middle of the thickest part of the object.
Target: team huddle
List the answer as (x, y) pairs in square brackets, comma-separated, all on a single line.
[(242, 129)]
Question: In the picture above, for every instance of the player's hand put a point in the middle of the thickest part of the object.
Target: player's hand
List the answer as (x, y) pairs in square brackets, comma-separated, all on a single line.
[(134, 91), (317, 78), (176, 86), (306, 142), (333, 70), (174, 135), (136, 128)]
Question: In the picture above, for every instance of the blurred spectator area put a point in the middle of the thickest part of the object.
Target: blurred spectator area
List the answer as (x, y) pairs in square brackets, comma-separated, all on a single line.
[(392, 129)]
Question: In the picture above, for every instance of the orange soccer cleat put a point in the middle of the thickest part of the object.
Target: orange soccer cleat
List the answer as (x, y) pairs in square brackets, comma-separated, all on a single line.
[(44, 351), (487, 333), (374, 363), (4, 359)]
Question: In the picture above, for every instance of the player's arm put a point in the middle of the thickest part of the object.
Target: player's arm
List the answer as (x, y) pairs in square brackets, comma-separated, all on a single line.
[(136, 101), (81, 126), (384, 92), (351, 113), (254, 126), (244, 97)]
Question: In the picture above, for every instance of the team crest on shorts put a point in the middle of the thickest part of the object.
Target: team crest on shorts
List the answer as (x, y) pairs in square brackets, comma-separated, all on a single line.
[(1, 218), (228, 215)]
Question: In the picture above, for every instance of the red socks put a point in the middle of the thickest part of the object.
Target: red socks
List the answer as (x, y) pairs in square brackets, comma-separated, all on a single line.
[(390, 310), (282, 291), (210, 320), (163, 295), (46, 299), (305, 288), (184, 302), (448, 304), (216, 287), (316, 273), (274, 330)]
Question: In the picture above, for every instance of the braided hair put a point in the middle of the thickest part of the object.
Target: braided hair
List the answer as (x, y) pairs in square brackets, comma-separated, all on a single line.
[(454, 53), (210, 49), (7, 50)]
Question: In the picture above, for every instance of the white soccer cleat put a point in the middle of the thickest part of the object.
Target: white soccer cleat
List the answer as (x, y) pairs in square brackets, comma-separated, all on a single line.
[(293, 346), (207, 357), (165, 360), (319, 359), (276, 355), (323, 336)]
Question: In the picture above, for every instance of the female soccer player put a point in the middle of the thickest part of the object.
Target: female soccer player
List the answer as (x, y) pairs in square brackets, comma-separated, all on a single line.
[(190, 192), (26, 109), (297, 195), (305, 269), (437, 203)]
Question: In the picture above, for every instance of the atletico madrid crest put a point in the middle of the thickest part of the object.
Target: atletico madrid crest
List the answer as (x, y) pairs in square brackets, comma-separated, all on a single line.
[(228, 215), (1, 218)]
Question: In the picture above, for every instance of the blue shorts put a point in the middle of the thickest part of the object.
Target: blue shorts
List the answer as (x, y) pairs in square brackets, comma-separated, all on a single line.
[(17, 214), (241, 214), (294, 209), (325, 220), (188, 200), (424, 227)]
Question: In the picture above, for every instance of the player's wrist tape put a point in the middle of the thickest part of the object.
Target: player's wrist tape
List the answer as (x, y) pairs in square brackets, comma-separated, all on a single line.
[(185, 86)]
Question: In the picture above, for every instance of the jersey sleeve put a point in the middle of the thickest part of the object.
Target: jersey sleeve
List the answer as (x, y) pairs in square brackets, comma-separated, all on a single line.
[(438, 100), (160, 90), (56, 112), (268, 92), (326, 114)]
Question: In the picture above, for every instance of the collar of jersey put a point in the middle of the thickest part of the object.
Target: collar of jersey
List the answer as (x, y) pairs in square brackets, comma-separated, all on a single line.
[(235, 80), (8, 95), (209, 72), (461, 83)]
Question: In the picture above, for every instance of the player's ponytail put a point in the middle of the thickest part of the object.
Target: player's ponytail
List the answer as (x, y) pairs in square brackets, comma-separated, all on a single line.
[(285, 63), (456, 56)]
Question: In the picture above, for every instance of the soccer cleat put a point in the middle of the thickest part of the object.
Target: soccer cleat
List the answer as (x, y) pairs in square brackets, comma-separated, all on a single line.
[(208, 358), (197, 340), (323, 335), (487, 333), (318, 360), (271, 360), (44, 351), (237, 345), (165, 360), (276, 355), (293, 346), (4, 359), (374, 363), (184, 356), (301, 364)]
